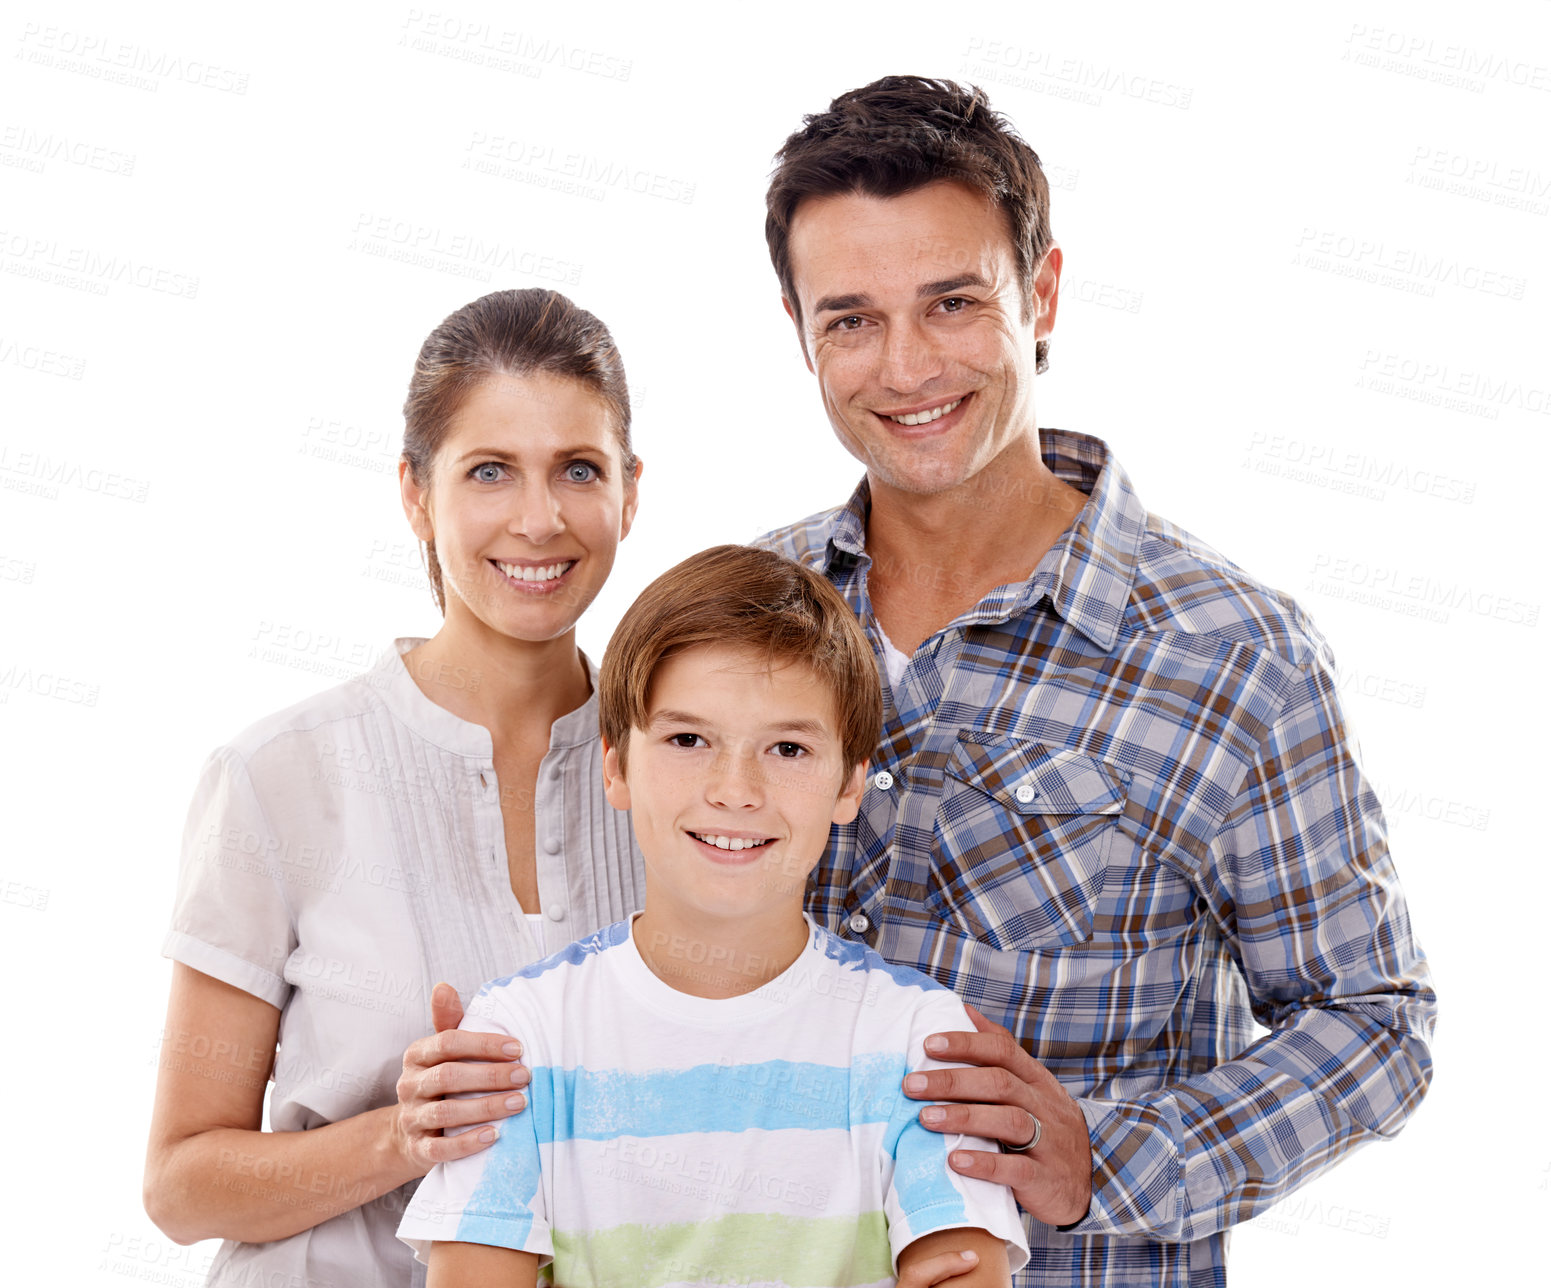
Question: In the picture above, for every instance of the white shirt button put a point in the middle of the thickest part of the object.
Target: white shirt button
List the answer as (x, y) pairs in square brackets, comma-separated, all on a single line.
[(552, 845), (859, 923), (1025, 794), (555, 911), (883, 780)]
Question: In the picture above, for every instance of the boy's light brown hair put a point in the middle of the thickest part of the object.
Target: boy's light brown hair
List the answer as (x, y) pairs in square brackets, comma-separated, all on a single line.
[(742, 598)]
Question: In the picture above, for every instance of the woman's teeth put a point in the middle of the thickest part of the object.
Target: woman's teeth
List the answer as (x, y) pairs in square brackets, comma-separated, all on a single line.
[(543, 572), (730, 842), (925, 417)]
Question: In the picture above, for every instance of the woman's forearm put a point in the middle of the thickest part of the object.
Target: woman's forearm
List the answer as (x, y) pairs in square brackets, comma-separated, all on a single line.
[(256, 1186), (209, 1171)]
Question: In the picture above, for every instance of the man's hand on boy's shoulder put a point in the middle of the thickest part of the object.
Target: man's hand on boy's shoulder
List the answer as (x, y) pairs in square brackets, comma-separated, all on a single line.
[(966, 1258), (1000, 1097)]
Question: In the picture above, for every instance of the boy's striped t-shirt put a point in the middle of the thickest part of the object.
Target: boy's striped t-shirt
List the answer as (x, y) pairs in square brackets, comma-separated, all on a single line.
[(672, 1139)]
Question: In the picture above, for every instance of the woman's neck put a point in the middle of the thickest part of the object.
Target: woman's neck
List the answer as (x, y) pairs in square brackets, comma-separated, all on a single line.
[(516, 689)]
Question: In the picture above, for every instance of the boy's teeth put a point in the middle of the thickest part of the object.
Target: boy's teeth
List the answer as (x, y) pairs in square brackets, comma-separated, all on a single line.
[(544, 572), (925, 417), (729, 842)]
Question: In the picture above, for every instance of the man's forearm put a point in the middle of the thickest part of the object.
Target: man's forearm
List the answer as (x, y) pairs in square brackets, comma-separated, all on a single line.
[(1205, 1153)]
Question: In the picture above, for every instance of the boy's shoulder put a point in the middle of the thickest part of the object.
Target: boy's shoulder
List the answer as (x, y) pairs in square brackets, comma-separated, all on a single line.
[(560, 969), (850, 956), (885, 995)]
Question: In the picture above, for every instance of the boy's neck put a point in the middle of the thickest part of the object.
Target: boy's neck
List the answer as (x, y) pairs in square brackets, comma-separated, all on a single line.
[(716, 958)]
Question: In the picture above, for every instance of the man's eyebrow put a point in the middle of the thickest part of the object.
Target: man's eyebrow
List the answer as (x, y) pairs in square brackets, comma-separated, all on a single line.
[(856, 300), (842, 303), (950, 284)]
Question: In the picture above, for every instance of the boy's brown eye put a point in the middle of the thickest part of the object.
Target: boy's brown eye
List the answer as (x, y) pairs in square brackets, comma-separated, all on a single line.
[(789, 749)]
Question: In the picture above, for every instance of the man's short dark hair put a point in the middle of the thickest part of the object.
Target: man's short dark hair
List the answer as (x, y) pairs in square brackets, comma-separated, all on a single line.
[(902, 133)]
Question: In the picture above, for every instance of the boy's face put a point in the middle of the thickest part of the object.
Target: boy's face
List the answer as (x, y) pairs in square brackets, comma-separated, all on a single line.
[(734, 783)]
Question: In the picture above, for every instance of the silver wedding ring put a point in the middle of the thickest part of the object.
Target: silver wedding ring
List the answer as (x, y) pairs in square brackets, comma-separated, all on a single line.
[(1033, 1140)]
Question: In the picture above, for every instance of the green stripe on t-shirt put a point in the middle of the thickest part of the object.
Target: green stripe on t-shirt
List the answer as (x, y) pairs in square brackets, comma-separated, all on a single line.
[(762, 1247)]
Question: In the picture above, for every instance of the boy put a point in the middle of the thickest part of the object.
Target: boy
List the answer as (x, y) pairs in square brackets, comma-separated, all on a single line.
[(716, 1082)]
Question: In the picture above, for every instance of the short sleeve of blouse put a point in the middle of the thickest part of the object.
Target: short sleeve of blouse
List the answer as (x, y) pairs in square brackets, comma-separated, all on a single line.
[(232, 919)]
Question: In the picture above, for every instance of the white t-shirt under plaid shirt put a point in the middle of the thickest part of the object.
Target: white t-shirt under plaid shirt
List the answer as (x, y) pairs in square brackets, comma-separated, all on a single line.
[(673, 1139)]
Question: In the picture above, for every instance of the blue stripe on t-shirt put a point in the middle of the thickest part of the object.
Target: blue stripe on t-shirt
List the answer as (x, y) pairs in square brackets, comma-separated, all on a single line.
[(774, 1095), (853, 956), (500, 1210), (571, 955)]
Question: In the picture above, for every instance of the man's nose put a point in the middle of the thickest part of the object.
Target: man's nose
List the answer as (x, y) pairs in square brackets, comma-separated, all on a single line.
[(909, 357)]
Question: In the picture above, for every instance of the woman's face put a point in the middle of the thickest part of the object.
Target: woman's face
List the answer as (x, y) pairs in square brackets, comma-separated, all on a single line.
[(526, 503)]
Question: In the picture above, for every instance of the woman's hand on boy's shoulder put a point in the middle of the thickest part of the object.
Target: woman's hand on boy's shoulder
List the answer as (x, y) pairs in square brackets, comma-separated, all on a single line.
[(1000, 1097), (440, 1088)]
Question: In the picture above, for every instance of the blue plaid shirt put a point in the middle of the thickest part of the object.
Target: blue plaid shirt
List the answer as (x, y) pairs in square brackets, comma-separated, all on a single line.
[(1115, 807)]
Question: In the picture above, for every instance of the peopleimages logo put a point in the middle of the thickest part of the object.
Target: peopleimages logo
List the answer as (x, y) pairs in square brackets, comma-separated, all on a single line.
[(458, 253), (1441, 60), (1404, 268), (1414, 594), (1336, 467), (1511, 187)]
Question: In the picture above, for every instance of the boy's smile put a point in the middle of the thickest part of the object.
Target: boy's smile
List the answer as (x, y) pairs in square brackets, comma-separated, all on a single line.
[(732, 788)]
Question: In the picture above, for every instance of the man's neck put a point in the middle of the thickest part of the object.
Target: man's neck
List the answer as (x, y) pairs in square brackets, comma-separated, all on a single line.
[(718, 958), (936, 556)]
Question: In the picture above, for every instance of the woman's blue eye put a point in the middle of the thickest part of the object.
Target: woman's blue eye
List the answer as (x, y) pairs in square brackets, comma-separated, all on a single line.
[(489, 472), (581, 472)]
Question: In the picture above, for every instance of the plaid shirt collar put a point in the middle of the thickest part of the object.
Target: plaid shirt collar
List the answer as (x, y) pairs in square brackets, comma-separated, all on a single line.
[(1087, 575)]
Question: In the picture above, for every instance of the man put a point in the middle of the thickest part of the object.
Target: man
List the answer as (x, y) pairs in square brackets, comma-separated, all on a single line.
[(1114, 806)]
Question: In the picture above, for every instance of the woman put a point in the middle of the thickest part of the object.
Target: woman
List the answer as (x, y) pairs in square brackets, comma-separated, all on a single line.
[(440, 818)]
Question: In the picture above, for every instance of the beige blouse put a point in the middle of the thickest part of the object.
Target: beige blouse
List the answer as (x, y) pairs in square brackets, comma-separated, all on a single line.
[(343, 856)]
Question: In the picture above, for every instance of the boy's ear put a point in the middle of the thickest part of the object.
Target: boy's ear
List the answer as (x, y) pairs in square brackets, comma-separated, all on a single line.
[(614, 785), (851, 792)]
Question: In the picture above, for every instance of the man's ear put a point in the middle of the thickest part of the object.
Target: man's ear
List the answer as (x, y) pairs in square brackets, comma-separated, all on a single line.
[(416, 504), (802, 340), (614, 785), (851, 792), (1047, 292)]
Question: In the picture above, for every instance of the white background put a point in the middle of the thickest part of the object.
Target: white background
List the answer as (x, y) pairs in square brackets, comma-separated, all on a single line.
[(1304, 253)]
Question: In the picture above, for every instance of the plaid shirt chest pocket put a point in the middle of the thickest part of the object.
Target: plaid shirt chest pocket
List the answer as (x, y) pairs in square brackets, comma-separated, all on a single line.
[(1021, 841)]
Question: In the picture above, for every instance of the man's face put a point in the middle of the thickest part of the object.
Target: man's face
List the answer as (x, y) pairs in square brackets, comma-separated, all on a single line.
[(912, 312)]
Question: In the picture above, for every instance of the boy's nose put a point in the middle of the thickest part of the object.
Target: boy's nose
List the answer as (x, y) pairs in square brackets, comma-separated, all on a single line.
[(734, 782)]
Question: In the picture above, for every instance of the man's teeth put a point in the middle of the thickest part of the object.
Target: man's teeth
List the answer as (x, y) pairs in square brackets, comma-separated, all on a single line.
[(926, 417), (729, 842), (544, 572)]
